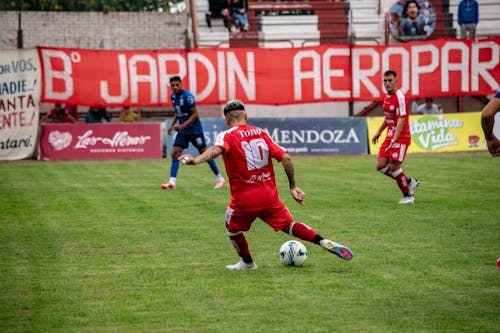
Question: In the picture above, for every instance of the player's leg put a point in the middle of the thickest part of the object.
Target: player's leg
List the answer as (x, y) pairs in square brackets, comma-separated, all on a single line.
[(174, 169), (306, 233), (237, 223), (383, 159), (180, 143), (279, 218), (199, 143), (398, 154), (384, 168)]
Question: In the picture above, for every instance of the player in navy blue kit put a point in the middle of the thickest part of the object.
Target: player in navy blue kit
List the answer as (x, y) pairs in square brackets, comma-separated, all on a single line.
[(188, 129)]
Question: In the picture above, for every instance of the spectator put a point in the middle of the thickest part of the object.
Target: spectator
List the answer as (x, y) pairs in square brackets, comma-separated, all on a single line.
[(488, 123), (427, 108), (468, 17), (58, 115), (413, 21), (72, 110), (217, 9), (96, 115), (238, 9), (129, 116)]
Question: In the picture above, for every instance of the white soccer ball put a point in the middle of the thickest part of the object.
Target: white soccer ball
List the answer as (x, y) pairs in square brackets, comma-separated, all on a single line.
[(293, 253)]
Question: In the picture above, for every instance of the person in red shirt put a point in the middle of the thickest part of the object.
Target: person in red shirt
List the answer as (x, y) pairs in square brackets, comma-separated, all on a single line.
[(247, 152), (392, 152), (58, 115)]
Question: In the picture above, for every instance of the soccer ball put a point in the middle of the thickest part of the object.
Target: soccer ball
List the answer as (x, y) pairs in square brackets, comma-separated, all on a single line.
[(293, 253)]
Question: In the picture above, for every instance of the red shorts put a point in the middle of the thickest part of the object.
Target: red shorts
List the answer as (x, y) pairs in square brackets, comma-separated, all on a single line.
[(396, 153), (276, 216)]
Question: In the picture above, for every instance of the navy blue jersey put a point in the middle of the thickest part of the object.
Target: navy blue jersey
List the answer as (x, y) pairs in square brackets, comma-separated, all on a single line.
[(182, 105)]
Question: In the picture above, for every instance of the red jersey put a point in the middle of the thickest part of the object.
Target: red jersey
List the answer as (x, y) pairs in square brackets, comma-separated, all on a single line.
[(247, 154), (395, 108)]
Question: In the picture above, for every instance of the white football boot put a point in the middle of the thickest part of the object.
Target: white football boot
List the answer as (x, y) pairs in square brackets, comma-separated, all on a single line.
[(219, 183), (407, 200), (241, 265)]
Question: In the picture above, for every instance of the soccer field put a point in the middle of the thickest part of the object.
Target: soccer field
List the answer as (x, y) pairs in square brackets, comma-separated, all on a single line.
[(99, 247)]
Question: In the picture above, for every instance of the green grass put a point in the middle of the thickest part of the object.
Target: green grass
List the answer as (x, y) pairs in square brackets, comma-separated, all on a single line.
[(99, 247)]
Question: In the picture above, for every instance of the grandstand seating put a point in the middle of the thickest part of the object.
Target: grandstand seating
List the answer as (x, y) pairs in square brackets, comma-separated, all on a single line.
[(328, 23), (367, 23), (489, 17), (288, 30)]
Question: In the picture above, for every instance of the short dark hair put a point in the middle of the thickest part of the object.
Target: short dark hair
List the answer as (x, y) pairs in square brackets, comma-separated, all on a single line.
[(233, 105), (407, 4), (390, 72), (175, 78), (428, 99)]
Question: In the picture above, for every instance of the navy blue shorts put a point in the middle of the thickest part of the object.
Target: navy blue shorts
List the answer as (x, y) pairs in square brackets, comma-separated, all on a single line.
[(198, 140)]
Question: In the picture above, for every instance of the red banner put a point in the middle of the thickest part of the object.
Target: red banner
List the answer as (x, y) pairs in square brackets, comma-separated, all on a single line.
[(100, 141), (444, 67)]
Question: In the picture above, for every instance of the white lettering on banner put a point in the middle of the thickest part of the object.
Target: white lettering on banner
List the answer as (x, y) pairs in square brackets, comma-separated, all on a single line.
[(299, 74), (165, 74), (462, 66), (222, 76), (234, 70), (403, 80), (120, 139), (122, 66), (481, 68), (150, 79), (417, 69), (313, 136), (235, 73), (432, 132), (317, 74), (329, 73), (364, 75), (51, 74), (193, 59)]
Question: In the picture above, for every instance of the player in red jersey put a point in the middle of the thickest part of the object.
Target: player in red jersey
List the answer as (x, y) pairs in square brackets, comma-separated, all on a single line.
[(392, 152), (248, 152)]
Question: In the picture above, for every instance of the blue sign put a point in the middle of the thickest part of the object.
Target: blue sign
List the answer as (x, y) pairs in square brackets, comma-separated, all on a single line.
[(300, 136)]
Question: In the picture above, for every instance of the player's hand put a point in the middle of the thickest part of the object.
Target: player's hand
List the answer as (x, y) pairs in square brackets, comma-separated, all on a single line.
[(389, 146), (178, 128), (169, 131), (187, 159), (375, 138), (298, 195)]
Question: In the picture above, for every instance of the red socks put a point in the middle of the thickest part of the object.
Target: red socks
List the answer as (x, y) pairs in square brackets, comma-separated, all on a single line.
[(240, 244), (402, 181), (302, 231)]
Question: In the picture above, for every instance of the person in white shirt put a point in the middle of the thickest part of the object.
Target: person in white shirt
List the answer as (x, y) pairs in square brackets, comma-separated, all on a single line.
[(427, 108)]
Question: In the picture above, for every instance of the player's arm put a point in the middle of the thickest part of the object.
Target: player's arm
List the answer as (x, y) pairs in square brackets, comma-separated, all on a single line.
[(208, 155), (488, 122), (172, 125), (296, 192), (377, 134)]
